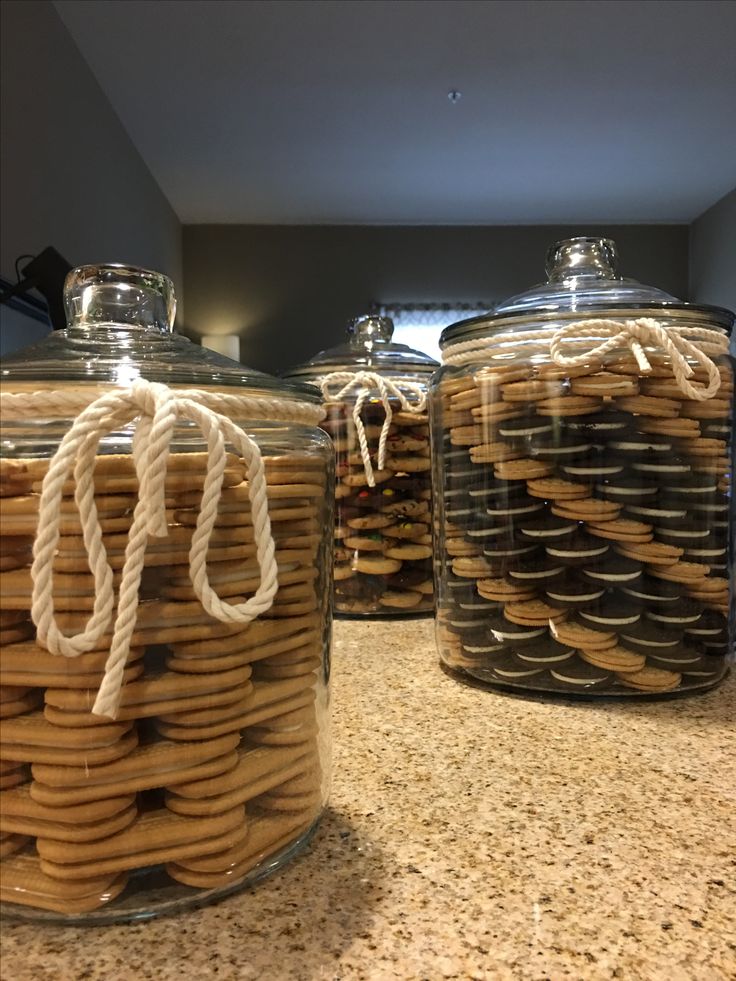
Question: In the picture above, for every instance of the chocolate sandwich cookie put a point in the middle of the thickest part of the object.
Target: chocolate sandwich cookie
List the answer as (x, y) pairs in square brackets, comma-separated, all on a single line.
[(573, 592), (660, 468), (510, 668), (641, 445), (514, 509), (561, 448), (576, 674), (656, 512), (453, 583), (473, 602), (454, 496), (706, 667), (480, 642), (579, 549), (685, 613), (597, 463), (541, 571), (545, 652), (691, 487), (614, 570), (513, 634), (648, 637), (711, 625), (627, 489), (656, 592), (715, 558), (460, 512), (462, 475), (481, 532), (465, 621), (679, 658), (716, 430), (684, 534), (486, 488), (525, 426), (713, 649), (612, 611), (600, 426), (516, 550), (715, 504)]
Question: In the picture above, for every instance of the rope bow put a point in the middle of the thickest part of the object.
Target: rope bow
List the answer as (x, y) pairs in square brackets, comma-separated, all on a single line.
[(157, 409), (634, 334), (679, 341), (366, 382)]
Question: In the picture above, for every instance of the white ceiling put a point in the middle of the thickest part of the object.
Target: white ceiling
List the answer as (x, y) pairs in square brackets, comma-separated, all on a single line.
[(336, 111)]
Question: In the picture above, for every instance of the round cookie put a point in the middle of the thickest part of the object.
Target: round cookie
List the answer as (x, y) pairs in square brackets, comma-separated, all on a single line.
[(377, 565), (616, 658), (611, 612), (578, 550), (510, 668), (545, 652), (404, 599), (573, 592), (651, 680), (513, 634), (577, 674), (613, 570), (647, 637)]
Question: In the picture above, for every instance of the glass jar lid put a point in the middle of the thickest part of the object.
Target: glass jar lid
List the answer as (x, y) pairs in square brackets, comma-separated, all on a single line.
[(583, 280), (369, 347), (120, 328), (582, 272)]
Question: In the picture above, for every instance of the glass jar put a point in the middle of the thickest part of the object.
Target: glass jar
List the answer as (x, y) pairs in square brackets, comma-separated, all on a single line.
[(582, 446), (375, 393), (164, 631)]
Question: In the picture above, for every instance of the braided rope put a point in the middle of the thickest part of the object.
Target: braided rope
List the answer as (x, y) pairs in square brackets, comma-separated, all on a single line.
[(366, 382), (66, 404), (679, 342), (157, 409)]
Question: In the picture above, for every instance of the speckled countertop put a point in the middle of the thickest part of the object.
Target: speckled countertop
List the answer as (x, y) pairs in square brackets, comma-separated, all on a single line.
[(469, 835)]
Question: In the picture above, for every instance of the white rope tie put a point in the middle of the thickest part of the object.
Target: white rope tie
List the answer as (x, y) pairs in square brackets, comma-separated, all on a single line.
[(366, 382), (679, 342), (157, 410)]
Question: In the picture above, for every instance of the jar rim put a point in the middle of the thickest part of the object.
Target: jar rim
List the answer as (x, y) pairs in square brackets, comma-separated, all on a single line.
[(463, 329)]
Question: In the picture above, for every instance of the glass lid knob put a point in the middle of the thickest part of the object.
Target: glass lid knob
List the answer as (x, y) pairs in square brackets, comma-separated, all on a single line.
[(572, 258), (119, 295), (364, 330)]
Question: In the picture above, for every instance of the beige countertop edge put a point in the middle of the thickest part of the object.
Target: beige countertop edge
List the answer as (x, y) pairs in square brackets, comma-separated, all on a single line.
[(469, 835)]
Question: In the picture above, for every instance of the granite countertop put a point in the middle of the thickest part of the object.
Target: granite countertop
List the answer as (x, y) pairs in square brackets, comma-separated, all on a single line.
[(469, 835)]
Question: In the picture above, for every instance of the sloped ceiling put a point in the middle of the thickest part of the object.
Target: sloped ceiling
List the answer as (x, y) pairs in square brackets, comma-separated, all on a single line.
[(337, 111)]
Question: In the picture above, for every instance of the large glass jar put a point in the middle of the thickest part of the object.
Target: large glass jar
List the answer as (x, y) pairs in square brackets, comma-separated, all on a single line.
[(582, 466), (164, 613), (374, 393)]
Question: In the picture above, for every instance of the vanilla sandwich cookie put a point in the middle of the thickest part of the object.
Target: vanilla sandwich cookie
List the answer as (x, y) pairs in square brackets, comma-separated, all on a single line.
[(153, 837), (23, 882)]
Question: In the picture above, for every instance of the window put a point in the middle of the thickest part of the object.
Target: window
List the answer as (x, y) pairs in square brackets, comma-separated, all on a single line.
[(419, 325)]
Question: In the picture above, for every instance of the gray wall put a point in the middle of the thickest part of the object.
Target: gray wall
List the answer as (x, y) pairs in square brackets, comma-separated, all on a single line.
[(713, 254), (70, 175), (289, 289)]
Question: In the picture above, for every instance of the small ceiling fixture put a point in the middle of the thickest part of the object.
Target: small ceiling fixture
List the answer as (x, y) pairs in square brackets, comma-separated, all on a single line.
[(454, 95)]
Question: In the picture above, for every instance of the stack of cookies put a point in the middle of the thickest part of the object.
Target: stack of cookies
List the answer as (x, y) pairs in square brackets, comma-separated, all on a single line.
[(383, 541), (584, 527), (215, 760)]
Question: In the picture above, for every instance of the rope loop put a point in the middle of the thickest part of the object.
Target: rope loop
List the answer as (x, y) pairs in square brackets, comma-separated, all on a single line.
[(154, 409), (366, 383), (683, 344)]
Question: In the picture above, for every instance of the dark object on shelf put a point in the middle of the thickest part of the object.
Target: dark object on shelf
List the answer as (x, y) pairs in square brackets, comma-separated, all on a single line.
[(46, 273)]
